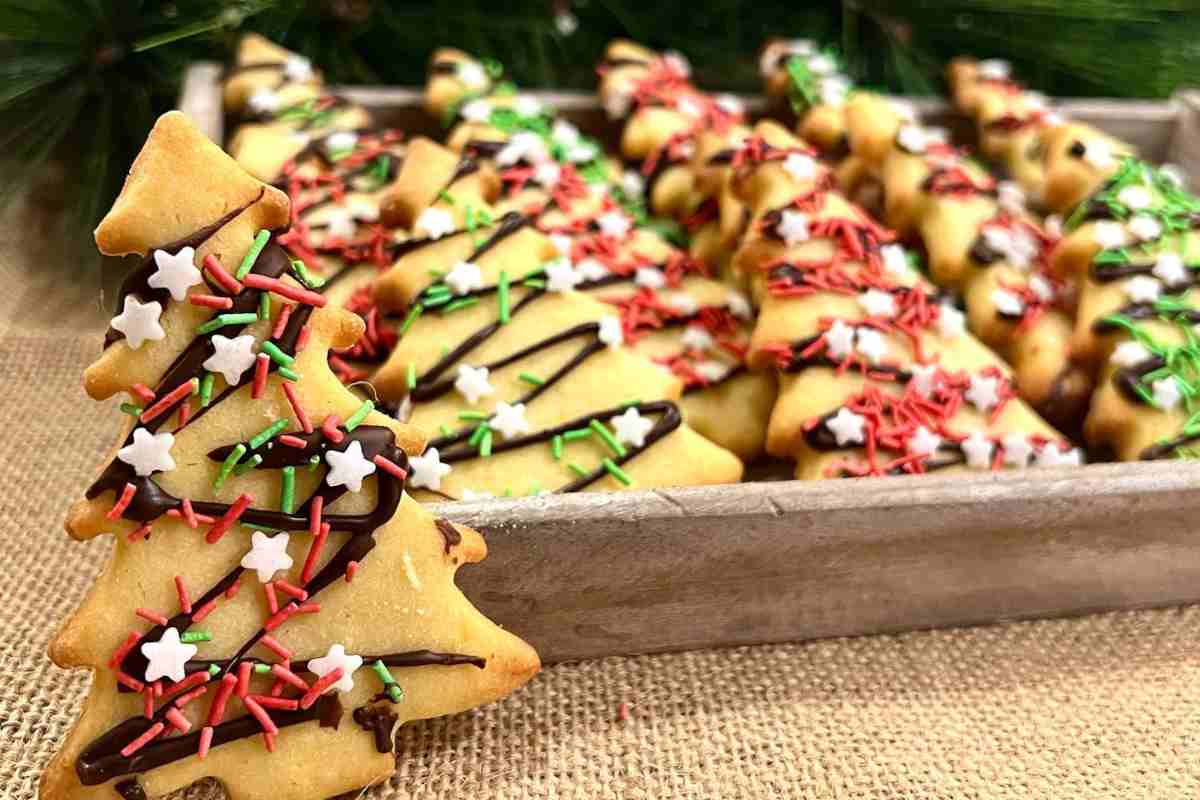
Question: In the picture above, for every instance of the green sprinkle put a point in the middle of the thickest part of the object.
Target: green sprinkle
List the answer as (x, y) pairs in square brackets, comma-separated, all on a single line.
[(502, 297), (477, 434), (436, 273), (359, 415), (472, 415), (556, 447), (616, 471), (411, 377), (214, 670), (206, 384), (443, 429), (264, 305), (530, 378), (247, 465), (131, 409), (536, 272), (578, 433), (221, 320), (445, 197), (382, 671), (437, 300), (604, 433), (506, 493), (262, 669), (228, 464), (578, 470), (278, 356), (630, 403), (464, 302), (195, 636), (535, 490), (413, 313), (268, 433), (313, 463), (338, 155), (485, 443), (260, 241), (306, 277), (287, 490), (534, 283), (289, 374), (395, 693), (437, 289)]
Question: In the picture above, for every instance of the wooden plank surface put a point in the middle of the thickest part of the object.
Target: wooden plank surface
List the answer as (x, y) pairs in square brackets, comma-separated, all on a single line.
[(589, 575)]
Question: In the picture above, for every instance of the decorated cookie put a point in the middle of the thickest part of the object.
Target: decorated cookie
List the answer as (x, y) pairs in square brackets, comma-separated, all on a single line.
[(274, 605), (816, 89), (878, 374)]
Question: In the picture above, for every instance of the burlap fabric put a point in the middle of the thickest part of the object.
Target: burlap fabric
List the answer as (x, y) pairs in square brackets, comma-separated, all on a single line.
[(1102, 707)]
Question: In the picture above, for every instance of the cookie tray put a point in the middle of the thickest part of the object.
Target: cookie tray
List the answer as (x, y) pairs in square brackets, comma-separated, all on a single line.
[(590, 575)]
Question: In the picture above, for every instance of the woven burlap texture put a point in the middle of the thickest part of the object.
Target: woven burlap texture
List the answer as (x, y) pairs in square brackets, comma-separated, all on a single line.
[(1101, 707)]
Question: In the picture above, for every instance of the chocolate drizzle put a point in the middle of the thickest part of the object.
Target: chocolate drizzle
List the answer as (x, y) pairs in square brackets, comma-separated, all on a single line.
[(449, 532), (380, 720), (410, 658)]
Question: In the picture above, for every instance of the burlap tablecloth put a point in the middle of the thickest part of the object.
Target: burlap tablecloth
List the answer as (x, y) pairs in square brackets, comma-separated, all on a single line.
[(1102, 707)]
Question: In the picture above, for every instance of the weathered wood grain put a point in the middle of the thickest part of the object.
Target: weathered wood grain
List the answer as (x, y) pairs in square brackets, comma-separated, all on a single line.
[(601, 574)]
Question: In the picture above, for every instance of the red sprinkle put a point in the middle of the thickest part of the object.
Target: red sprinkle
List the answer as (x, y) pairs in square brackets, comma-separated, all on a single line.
[(390, 467), (302, 340), (271, 643), (318, 688), (269, 742), (264, 719), (210, 301), (261, 365), (291, 590), (184, 699), (119, 654), (287, 676), (282, 703), (206, 734), (166, 401), (122, 502), (297, 409), (272, 600), (148, 702), (243, 678), (151, 616), (218, 273), (314, 514), (290, 440), (281, 322), (329, 427), (178, 721), (231, 516), (190, 682), (286, 290), (279, 617), (142, 392), (129, 681), (189, 514), (233, 589), (139, 534), (185, 602), (314, 550), (216, 712), (144, 739), (351, 571), (204, 610)]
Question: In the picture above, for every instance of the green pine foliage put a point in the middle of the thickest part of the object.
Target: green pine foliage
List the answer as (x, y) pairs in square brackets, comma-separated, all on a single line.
[(81, 80)]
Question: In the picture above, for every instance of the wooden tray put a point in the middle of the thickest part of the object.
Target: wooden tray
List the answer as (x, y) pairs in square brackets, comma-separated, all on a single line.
[(590, 575)]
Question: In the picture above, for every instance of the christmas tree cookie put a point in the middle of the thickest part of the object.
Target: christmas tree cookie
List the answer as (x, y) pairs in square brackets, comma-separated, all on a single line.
[(281, 109), (878, 375), (274, 604)]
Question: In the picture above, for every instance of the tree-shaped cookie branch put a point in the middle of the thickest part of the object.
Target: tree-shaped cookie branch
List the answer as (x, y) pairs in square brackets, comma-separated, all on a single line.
[(274, 604)]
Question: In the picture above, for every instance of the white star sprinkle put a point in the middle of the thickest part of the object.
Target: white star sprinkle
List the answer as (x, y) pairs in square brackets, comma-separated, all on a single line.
[(176, 273), (616, 105), (149, 452), (729, 104), (1130, 354), (984, 392), (610, 332), (878, 303), (231, 357), (348, 467), (1011, 197), (167, 657), (681, 302), (712, 370), (139, 321), (527, 146), (1145, 228), (547, 174), (800, 166), (464, 278), (1174, 174), (561, 276), (1042, 288), (1099, 154), (847, 427), (738, 305), (339, 223), (977, 449), (268, 554), (1170, 270), (263, 101), (342, 140), (631, 427), (650, 277), (924, 379), (472, 383), (632, 183), (1109, 235), (1017, 450), (298, 69), (564, 133), (839, 340), (689, 107), (924, 442), (871, 344), (434, 223), (426, 471), (592, 269), (912, 139), (1142, 289), (562, 243), (833, 89), (336, 658), (1135, 197), (527, 106), (1008, 303), (471, 75), (1166, 393), (1052, 456), (792, 227), (509, 420), (677, 62), (951, 322), (478, 111), (614, 223), (1053, 225), (895, 262), (696, 337), (821, 64), (993, 69)]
